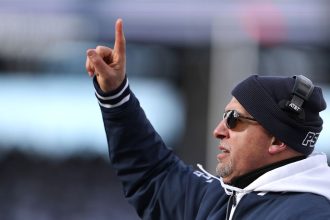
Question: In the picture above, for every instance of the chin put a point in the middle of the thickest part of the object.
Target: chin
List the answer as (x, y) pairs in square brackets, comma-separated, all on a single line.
[(224, 170)]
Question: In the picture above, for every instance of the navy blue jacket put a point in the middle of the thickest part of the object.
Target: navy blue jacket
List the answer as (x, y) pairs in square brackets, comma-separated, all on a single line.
[(160, 186)]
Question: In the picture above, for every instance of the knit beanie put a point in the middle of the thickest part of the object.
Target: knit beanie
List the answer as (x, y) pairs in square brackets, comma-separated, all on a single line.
[(268, 98)]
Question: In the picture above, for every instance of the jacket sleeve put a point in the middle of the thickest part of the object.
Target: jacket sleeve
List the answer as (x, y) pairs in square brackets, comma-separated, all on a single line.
[(155, 181)]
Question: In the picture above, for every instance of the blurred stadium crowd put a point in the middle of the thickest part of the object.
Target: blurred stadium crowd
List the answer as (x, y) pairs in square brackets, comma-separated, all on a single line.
[(75, 189)]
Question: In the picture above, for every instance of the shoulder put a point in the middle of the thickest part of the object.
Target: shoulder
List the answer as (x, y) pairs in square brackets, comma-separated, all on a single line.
[(301, 205), (309, 199), (285, 205)]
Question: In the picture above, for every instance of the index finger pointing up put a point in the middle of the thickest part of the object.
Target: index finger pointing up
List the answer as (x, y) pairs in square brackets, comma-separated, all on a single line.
[(120, 44)]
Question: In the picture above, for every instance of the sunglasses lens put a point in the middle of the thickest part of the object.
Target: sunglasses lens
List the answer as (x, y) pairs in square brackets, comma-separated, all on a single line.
[(231, 120)]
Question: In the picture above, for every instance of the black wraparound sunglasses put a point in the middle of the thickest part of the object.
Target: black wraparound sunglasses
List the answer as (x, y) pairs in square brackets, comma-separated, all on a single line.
[(232, 116)]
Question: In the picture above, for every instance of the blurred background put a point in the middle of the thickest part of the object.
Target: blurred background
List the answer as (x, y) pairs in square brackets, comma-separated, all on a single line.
[(183, 60)]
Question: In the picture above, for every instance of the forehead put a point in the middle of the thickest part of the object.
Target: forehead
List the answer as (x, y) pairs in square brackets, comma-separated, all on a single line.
[(235, 105)]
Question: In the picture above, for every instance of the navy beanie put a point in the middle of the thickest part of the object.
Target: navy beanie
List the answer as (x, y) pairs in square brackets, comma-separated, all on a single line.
[(262, 97)]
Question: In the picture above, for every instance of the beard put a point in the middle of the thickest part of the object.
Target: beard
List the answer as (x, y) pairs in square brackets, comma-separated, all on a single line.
[(224, 169)]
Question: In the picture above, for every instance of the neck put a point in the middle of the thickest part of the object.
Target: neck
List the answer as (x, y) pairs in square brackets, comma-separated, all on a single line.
[(244, 180)]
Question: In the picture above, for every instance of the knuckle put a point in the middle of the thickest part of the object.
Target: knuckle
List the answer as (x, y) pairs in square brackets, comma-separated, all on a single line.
[(103, 51), (100, 49)]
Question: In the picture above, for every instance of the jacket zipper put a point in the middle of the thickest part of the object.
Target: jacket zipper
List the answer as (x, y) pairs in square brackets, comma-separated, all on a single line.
[(230, 204)]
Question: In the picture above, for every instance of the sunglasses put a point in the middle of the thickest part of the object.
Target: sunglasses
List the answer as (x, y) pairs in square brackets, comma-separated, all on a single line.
[(232, 116)]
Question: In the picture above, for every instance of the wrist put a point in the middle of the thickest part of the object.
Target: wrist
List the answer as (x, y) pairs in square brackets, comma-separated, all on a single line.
[(112, 98)]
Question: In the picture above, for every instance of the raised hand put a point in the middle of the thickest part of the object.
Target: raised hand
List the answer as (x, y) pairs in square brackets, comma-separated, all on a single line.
[(107, 64)]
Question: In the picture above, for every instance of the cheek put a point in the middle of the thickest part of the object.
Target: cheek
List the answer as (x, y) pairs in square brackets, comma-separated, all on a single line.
[(257, 140), (249, 151), (243, 156), (241, 151)]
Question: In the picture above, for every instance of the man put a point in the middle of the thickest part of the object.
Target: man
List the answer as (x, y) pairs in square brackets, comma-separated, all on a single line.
[(266, 138)]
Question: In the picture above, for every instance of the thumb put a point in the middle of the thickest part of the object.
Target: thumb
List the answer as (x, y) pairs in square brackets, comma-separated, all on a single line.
[(100, 66)]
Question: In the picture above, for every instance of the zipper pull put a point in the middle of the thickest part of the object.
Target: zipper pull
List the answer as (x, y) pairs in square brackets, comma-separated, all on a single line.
[(234, 200)]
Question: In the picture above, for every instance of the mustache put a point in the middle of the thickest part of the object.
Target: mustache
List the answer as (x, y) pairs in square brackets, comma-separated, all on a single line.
[(225, 146)]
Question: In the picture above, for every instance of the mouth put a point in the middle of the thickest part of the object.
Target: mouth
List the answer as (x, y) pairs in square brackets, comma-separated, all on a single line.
[(224, 152), (224, 149)]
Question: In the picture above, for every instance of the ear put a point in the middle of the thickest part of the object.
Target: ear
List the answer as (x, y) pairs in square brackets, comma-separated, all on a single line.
[(276, 146)]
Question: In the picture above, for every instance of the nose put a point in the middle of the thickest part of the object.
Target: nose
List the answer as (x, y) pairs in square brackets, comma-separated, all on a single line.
[(221, 131)]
